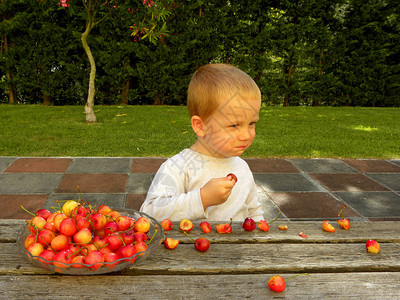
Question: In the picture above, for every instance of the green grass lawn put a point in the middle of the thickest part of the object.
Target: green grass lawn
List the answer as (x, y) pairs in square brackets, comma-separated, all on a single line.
[(162, 131)]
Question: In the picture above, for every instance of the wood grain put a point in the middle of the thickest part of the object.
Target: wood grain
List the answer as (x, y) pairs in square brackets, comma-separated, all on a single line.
[(250, 286), (382, 231), (242, 258), (237, 266)]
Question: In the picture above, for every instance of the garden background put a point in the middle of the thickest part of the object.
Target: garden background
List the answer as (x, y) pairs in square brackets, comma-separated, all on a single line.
[(325, 52)]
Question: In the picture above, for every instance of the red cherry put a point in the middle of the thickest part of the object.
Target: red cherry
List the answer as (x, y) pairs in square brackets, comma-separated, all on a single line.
[(202, 244), (277, 283), (232, 177)]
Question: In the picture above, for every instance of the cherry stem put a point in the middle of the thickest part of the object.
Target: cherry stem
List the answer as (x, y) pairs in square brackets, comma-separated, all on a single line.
[(76, 252), (124, 231), (27, 211), (228, 225), (122, 240), (185, 233), (59, 205), (173, 227), (34, 226), (275, 218), (91, 208), (155, 232), (297, 275), (342, 212)]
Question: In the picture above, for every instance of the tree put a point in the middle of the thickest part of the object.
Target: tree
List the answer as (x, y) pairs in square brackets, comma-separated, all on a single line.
[(366, 48), (12, 22), (95, 11)]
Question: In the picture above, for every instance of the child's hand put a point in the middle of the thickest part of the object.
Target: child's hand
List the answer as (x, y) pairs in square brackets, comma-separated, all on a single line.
[(216, 191)]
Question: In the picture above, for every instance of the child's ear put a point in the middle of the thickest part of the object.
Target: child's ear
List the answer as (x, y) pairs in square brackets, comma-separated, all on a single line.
[(198, 126)]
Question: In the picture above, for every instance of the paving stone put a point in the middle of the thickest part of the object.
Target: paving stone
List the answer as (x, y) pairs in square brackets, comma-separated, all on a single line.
[(348, 182), (270, 209), (10, 205), (384, 219), (301, 188), (100, 165), (135, 201), (39, 165), (391, 181), (306, 205), (271, 166), (95, 199), (5, 162), (322, 166), (93, 183), (146, 165), (373, 165), (139, 183), (287, 183), (373, 204), (22, 183)]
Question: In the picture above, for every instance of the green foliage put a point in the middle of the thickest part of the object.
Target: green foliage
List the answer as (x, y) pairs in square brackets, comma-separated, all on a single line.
[(319, 52)]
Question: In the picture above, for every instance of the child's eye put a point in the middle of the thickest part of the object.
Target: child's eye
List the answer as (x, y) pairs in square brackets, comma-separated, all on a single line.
[(252, 123), (234, 125)]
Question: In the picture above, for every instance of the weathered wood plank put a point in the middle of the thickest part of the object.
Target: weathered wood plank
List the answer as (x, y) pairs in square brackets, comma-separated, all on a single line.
[(383, 231), (252, 286), (242, 258)]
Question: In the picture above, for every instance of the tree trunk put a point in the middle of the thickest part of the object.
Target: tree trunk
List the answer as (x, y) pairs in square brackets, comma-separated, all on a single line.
[(126, 87), (90, 116), (286, 101), (347, 103), (46, 99), (124, 92), (12, 90)]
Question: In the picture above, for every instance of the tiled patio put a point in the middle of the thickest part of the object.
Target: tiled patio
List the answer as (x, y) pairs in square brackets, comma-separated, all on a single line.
[(303, 189)]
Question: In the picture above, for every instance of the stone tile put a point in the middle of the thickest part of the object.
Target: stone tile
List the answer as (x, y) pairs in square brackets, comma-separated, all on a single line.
[(310, 205), (112, 200), (39, 165), (270, 209), (22, 183), (373, 204), (139, 183), (93, 183), (373, 165), (99, 165), (135, 201), (322, 166), (146, 165), (10, 205), (348, 182), (287, 183), (5, 162), (385, 219), (271, 166), (391, 181)]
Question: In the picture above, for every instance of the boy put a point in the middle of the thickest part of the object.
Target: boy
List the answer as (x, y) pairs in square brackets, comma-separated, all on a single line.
[(224, 104)]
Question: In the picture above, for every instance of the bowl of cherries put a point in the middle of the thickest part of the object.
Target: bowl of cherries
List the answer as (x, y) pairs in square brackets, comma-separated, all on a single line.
[(79, 239)]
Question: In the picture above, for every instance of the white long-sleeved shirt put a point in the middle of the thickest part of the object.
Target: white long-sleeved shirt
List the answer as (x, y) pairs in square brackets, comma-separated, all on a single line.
[(175, 191)]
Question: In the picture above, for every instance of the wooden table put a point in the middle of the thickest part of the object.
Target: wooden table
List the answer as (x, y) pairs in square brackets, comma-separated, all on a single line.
[(237, 266)]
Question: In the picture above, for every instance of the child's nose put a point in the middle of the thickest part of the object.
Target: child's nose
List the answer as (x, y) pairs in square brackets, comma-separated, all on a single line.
[(244, 134)]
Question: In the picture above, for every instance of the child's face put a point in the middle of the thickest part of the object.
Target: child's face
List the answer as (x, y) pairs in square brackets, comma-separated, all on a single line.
[(230, 130)]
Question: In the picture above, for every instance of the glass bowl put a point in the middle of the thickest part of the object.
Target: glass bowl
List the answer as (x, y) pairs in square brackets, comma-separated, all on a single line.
[(155, 238)]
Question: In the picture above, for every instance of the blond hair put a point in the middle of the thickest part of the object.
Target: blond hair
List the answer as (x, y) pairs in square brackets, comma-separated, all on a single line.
[(213, 83)]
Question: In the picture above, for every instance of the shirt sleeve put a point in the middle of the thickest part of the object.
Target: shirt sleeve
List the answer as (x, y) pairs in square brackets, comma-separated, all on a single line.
[(167, 198)]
